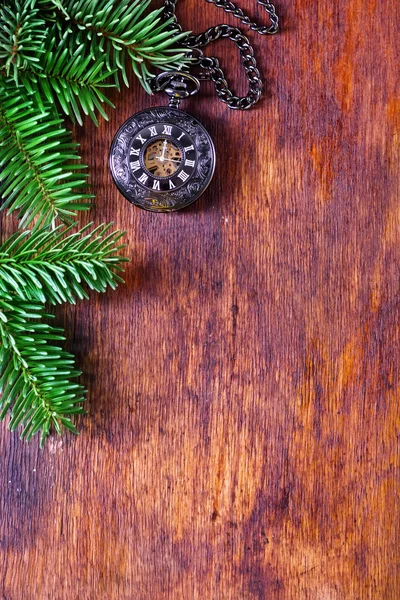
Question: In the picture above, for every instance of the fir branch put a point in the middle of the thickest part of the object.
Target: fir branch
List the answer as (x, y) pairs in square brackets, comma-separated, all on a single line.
[(72, 79), (35, 375), (22, 34), (122, 32), (37, 177), (48, 266)]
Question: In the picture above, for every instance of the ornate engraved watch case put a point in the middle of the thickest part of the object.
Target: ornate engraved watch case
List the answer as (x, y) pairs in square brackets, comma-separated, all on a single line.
[(162, 159)]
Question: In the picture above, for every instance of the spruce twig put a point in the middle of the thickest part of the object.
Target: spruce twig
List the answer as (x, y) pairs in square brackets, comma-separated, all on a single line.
[(73, 79), (50, 266), (35, 375), (22, 35), (40, 176), (122, 31)]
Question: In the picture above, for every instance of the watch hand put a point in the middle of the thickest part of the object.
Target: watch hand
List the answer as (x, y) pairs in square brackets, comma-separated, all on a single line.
[(168, 159), (162, 157)]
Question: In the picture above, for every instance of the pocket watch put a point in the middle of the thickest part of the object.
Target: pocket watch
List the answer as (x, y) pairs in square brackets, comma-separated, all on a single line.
[(162, 159)]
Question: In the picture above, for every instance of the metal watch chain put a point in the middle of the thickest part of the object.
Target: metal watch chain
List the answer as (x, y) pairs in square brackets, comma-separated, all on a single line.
[(210, 65)]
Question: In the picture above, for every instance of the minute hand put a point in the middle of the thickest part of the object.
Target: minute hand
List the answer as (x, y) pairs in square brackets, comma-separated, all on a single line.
[(161, 158)]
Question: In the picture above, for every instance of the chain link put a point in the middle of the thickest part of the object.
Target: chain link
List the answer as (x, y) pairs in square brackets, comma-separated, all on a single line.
[(211, 64)]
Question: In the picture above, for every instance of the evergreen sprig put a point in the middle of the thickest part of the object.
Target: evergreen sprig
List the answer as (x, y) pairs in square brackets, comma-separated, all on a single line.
[(22, 35), (54, 267), (74, 79), (37, 177), (58, 56), (35, 375), (121, 31)]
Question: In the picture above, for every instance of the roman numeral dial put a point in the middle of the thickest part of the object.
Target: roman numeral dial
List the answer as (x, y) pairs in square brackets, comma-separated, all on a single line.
[(162, 158)]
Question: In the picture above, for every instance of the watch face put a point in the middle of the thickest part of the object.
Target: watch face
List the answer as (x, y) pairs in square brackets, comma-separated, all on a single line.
[(162, 159)]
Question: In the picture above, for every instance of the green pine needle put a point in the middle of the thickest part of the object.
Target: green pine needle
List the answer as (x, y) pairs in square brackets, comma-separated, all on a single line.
[(35, 375), (37, 177), (50, 266)]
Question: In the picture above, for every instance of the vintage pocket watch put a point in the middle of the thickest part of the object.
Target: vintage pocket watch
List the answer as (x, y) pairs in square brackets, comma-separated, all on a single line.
[(162, 159)]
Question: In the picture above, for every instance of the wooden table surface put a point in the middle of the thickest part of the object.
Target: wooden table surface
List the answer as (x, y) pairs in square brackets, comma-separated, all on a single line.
[(243, 435)]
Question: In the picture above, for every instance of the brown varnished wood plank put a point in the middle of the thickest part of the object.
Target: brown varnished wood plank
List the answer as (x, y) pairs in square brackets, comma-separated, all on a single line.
[(243, 385)]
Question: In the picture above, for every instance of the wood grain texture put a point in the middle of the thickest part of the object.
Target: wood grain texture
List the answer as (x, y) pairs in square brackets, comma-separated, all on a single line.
[(243, 436)]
